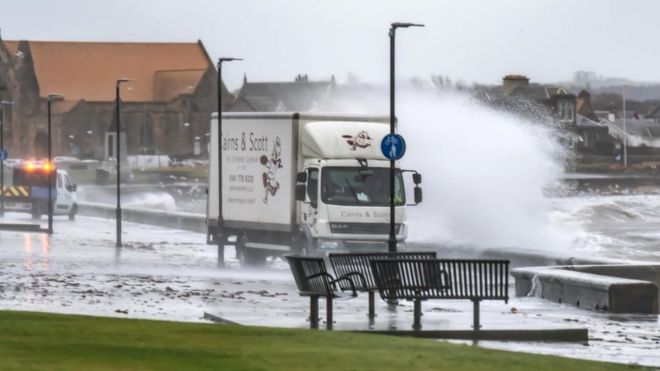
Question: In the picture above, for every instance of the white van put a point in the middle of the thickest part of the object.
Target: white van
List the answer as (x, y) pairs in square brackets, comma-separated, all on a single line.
[(66, 202)]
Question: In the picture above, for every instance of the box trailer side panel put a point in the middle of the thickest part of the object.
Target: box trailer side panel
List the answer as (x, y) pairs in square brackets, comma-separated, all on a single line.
[(258, 173)]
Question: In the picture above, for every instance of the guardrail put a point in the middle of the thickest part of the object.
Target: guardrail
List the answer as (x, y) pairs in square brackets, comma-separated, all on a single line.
[(179, 220)]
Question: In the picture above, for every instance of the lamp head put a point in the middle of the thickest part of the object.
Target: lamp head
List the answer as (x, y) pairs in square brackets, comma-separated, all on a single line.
[(220, 60), (405, 25), (124, 79), (52, 97)]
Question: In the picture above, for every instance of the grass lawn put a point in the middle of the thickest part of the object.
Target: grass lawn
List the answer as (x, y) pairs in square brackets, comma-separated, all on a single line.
[(40, 341)]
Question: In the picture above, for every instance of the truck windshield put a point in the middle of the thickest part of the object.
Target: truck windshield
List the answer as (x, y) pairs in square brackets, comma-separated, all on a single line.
[(360, 187)]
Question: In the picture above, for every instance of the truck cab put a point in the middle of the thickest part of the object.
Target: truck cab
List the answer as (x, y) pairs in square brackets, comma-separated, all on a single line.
[(344, 188)]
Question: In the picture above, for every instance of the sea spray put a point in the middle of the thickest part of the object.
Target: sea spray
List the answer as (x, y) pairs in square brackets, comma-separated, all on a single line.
[(485, 172)]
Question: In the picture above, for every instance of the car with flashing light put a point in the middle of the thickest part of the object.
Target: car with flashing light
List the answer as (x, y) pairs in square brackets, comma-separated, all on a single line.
[(27, 187)]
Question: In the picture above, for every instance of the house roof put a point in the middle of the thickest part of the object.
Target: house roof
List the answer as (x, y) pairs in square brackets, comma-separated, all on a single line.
[(584, 122), (645, 128), (64, 106), (283, 96), (12, 48), (89, 70)]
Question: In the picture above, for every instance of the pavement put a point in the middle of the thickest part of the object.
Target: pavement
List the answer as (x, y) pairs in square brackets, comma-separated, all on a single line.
[(172, 275)]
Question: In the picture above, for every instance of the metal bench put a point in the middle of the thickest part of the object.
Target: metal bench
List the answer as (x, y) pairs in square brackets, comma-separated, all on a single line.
[(357, 266), (314, 281), (423, 279)]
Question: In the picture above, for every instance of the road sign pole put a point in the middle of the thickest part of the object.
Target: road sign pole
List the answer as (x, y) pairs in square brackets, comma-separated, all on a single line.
[(393, 147)]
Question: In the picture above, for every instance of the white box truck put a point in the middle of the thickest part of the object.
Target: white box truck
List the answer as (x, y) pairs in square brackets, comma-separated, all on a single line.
[(305, 183)]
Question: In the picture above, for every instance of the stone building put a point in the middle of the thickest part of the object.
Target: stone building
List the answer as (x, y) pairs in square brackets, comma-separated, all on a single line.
[(301, 94), (165, 110)]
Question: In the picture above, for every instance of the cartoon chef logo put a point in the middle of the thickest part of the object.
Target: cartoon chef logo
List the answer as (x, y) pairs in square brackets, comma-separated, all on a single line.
[(271, 185), (360, 140)]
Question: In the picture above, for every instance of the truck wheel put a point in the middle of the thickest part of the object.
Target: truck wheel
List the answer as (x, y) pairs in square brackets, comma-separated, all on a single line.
[(248, 256), (72, 213), (37, 210), (254, 257), (239, 247)]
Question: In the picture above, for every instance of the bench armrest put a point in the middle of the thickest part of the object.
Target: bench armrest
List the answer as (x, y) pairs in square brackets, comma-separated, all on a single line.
[(322, 274), (350, 282)]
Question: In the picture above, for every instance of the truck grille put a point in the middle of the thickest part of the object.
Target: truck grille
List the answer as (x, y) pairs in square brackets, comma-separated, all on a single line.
[(363, 228)]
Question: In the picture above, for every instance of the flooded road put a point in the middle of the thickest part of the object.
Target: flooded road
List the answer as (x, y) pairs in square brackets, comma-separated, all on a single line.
[(173, 275)]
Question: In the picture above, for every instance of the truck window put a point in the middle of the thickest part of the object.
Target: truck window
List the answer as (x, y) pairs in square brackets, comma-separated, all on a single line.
[(67, 181), (313, 186), (351, 186)]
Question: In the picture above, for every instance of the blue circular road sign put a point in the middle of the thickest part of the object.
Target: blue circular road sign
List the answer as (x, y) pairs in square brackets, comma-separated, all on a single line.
[(393, 146), (3, 154)]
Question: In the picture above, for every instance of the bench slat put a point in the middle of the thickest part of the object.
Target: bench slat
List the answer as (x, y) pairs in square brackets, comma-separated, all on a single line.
[(423, 279), (350, 263)]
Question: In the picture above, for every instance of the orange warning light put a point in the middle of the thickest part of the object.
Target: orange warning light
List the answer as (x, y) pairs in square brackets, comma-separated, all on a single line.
[(29, 166)]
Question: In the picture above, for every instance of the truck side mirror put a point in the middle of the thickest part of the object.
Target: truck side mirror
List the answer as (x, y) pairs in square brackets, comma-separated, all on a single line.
[(418, 195), (301, 190), (417, 178), (301, 177)]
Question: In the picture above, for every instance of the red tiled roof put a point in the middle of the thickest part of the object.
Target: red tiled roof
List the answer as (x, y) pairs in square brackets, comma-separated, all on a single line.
[(89, 70)]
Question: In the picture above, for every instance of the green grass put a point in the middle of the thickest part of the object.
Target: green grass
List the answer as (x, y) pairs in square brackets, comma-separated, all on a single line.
[(40, 341)]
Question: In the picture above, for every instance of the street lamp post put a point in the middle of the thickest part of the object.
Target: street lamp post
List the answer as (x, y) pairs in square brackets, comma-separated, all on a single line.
[(118, 159), (51, 98), (221, 223), (2, 161), (625, 132), (391, 242)]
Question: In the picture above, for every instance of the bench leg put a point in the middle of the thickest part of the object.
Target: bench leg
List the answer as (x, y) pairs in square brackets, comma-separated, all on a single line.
[(372, 306), (314, 312), (328, 313), (476, 325), (417, 324)]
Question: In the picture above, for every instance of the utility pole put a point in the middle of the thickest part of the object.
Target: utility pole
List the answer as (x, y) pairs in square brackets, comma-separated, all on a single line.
[(2, 161), (51, 169), (391, 241), (118, 243), (625, 133)]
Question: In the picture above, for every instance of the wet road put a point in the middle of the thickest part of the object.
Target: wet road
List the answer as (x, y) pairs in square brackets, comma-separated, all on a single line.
[(170, 274)]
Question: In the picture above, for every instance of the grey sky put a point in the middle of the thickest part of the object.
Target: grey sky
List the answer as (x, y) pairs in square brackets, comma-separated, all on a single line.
[(466, 39)]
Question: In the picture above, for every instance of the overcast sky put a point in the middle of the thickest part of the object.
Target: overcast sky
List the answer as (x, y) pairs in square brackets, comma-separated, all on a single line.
[(469, 40)]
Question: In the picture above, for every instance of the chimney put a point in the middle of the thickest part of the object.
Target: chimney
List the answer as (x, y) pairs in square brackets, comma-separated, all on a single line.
[(512, 82)]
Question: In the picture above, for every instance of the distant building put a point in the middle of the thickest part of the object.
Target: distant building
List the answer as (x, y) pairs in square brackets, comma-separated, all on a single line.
[(297, 95), (165, 110), (538, 101), (545, 103), (594, 133)]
